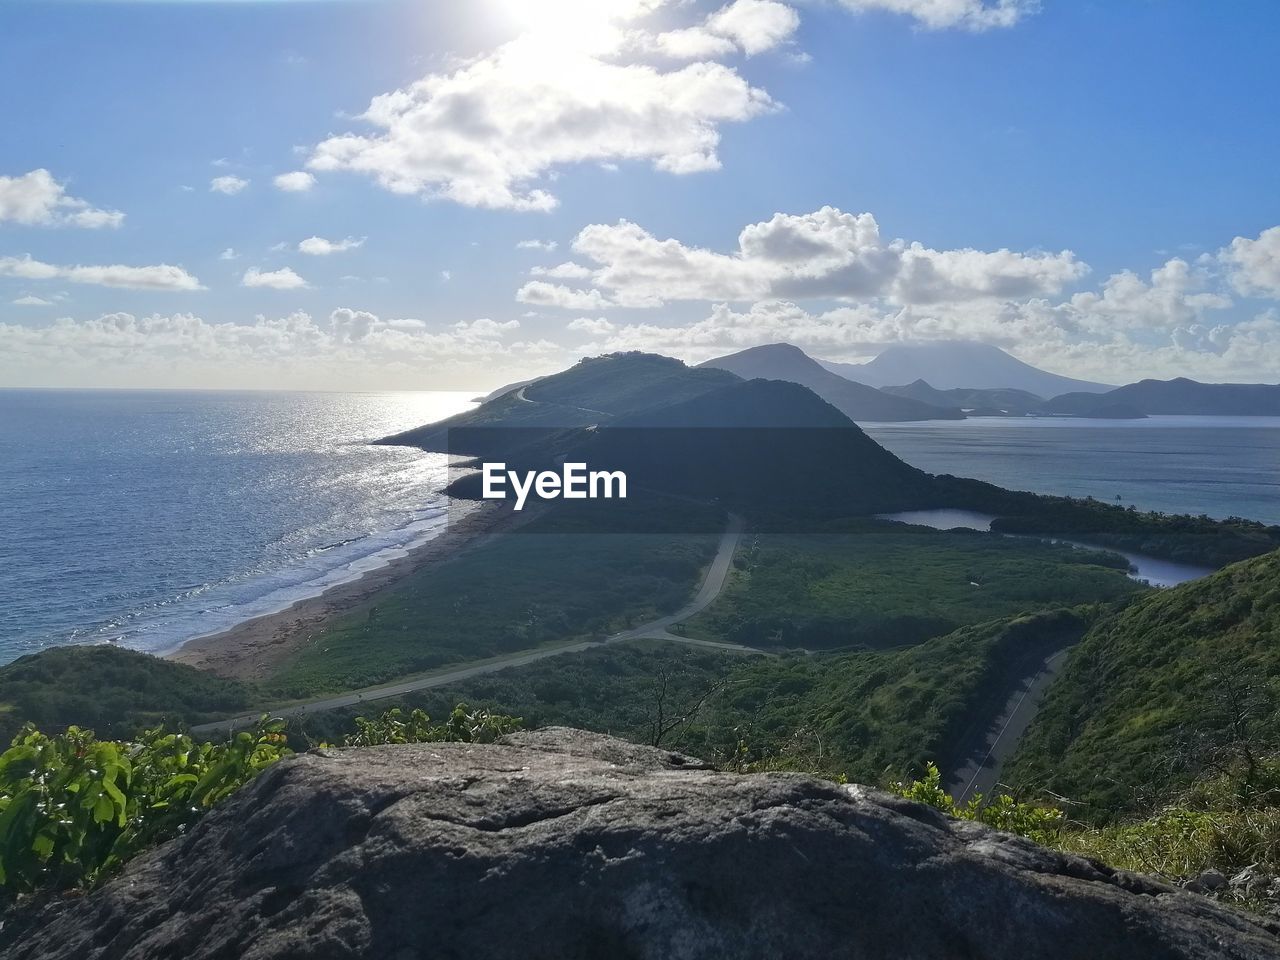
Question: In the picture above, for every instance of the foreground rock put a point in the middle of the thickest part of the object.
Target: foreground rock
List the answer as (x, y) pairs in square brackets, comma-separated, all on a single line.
[(564, 845)]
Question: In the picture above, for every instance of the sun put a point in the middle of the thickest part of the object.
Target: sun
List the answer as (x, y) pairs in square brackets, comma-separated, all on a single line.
[(571, 25)]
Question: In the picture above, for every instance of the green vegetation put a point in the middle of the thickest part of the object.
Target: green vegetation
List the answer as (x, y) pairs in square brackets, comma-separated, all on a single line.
[(1177, 685), (1179, 537), (880, 584), (863, 715), (74, 809), (117, 692), (1040, 823), (546, 584)]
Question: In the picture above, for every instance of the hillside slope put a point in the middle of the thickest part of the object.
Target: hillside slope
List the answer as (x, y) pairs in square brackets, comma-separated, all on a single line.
[(1003, 402), (595, 390), (1146, 701), (782, 361)]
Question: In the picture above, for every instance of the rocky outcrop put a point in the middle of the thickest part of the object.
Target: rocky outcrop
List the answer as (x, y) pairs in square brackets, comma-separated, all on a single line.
[(561, 844)]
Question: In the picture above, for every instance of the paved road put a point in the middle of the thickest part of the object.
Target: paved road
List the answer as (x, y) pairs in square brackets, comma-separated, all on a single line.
[(658, 629), (519, 395), (981, 775)]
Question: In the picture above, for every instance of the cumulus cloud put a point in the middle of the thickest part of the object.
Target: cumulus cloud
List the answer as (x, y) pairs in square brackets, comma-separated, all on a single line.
[(543, 294), (228, 185), (228, 254), (282, 279), (159, 277), (548, 245), (494, 131), (320, 247), (1254, 265), (593, 326), (827, 253), (563, 271), (752, 26), (299, 181), (975, 15), (355, 346), (37, 199), (30, 301)]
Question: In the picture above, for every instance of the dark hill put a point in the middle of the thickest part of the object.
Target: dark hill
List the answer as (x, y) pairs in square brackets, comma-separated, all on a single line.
[(1145, 703), (782, 361), (997, 402), (595, 390), (1176, 397)]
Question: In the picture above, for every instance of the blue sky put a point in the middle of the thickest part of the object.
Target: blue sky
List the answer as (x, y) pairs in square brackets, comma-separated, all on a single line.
[(1089, 185)]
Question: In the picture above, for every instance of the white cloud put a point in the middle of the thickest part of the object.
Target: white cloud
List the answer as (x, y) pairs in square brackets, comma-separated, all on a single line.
[(592, 326), (564, 271), (543, 294), (37, 199), (229, 254), (159, 277), (320, 247), (547, 245), (298, 181), (282, 279), (30, 301), (229, 185), (446, 276), (1254, 265), (353, 347), (496, 130), (827, 253), (752, 26), (975, 15)]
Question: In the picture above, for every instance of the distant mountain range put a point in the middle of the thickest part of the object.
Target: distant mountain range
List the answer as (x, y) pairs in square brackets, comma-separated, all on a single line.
[(782, 361), (975, 403), (1173, 398), (959, 364)]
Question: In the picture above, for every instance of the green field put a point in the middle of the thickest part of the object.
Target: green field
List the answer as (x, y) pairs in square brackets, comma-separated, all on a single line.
[(881, 584)]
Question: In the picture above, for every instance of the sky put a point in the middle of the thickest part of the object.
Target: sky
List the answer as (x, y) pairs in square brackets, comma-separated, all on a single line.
[(376, 194)]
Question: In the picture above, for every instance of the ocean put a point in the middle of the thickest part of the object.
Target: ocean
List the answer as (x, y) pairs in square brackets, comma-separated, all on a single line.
[(150, 517)]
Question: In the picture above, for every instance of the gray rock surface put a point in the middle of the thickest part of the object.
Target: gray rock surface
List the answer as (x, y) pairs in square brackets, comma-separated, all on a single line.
[(561, 844)]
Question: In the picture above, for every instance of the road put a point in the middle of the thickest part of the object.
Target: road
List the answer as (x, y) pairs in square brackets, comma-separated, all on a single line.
[(658, 629), (519, 395), (981, 775)]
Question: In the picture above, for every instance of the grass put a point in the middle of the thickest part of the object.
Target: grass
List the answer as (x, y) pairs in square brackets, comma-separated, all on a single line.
[(547, 584), (878, 584)]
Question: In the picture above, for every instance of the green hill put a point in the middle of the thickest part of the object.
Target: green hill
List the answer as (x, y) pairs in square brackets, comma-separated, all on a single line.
[(1160, 693), (1179, 396), (112, 691)]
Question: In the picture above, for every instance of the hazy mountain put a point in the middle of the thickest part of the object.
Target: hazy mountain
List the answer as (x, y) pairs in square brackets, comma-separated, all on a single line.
[(1173, 397), (782, 361), (1006, 402), (952, 364)]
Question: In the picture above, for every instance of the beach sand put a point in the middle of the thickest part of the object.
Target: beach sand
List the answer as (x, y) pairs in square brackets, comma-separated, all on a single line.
[(252, 649)]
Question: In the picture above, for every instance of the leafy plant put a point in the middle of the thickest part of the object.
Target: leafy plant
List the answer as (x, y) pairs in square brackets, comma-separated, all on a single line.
[(463, 726), (74, 808), (1042, 824)]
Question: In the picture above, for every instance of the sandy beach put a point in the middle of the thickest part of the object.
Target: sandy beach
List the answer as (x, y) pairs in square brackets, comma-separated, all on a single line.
[(250, 650)]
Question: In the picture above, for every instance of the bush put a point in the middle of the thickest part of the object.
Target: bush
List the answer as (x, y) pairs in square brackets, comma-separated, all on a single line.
[(74, 808)]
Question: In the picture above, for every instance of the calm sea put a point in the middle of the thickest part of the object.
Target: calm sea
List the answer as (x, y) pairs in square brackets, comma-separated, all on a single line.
[(152, 517), (1220, 466)]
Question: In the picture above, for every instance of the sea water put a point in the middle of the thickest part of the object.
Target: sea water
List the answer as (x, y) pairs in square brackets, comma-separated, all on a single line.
[(150, 517)]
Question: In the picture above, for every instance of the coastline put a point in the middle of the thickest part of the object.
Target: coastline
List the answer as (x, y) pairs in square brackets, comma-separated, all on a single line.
[(251, 649)]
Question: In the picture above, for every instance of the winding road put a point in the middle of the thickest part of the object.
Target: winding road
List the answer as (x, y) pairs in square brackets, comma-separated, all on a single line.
[(658, 629)]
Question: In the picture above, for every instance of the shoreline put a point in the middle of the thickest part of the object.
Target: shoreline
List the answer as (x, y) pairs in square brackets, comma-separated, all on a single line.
[(250, 649)]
